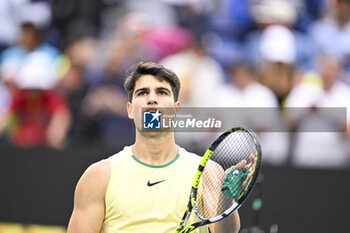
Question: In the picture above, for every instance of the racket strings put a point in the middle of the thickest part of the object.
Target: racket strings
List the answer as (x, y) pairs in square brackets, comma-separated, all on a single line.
[(220, 185)]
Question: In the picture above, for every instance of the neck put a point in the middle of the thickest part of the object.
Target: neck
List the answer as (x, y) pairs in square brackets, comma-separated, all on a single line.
[(155, 148)]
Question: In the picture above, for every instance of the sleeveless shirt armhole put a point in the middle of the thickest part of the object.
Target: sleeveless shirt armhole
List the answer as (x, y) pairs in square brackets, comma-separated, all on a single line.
[(109, 186)]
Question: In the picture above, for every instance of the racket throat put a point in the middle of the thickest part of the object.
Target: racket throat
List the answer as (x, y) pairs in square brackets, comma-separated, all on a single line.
[(187, 229)]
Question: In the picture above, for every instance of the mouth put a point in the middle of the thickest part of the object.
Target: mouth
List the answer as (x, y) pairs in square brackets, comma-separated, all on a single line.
[(151, 110)]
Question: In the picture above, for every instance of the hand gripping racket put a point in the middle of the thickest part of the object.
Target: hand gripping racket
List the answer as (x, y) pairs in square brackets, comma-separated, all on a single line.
[(225, 177)]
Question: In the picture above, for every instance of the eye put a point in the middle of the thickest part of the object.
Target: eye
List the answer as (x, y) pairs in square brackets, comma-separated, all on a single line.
[(163, 92), (141, 93)]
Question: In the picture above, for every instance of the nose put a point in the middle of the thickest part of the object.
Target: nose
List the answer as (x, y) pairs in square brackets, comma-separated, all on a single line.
[(152, 98)]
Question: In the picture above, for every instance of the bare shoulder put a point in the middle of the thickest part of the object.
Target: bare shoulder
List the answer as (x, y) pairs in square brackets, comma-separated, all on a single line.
[(98, 170), (89, 208), (95, 179)]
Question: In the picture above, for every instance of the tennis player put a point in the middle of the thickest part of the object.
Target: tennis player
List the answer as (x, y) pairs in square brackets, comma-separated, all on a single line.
[(146, 186)]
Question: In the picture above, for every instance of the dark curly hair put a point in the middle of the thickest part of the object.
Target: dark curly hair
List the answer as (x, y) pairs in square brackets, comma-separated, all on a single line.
[(151, 68)]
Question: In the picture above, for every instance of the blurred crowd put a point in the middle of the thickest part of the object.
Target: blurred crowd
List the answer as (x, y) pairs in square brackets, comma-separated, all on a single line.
[(63, 64)]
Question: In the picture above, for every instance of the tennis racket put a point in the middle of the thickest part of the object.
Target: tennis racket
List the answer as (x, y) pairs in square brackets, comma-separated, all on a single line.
[(224, 179)]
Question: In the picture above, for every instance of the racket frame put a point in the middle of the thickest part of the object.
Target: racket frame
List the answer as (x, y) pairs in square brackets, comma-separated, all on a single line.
[(193, 196)]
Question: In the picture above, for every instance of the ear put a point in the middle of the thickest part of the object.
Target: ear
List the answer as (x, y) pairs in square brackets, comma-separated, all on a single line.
[(129, 110), (177, 107)]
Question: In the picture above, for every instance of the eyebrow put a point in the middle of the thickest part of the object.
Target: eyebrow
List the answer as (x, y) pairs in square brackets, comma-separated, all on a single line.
[(141, 89), (157, 89), (163, 89)]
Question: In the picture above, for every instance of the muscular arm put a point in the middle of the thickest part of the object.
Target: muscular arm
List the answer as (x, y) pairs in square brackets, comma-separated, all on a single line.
[(89, 205)]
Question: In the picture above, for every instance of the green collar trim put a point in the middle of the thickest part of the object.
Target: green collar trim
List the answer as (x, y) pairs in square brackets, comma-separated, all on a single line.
[(155, 166)]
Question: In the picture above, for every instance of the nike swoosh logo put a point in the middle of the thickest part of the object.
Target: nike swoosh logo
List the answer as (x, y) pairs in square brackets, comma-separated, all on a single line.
[(151, 184)]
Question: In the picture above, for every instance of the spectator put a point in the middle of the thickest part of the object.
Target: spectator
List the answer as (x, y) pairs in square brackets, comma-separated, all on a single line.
[(31, 53), (79, 52), (38, 115), (255, 106), (248, 92), (276, 48), (199, 73), (328, 148), (105, 76), (200, 77), (331, 34)]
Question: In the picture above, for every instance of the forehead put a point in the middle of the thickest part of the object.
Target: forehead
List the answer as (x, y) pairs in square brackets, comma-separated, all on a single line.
[(150, 81)]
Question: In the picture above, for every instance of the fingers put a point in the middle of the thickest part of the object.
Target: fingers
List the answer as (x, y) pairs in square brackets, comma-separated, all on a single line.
[(251, 167), (252, 158), (241, 164)]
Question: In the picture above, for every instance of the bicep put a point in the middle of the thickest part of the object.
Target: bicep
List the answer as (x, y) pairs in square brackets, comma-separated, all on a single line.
[(89, 207), (86, 220)]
